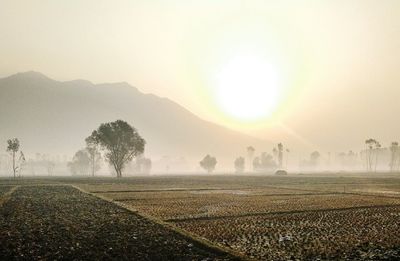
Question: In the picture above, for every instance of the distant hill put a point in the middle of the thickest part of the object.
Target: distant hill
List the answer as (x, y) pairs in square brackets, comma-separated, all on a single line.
[(54, 117)]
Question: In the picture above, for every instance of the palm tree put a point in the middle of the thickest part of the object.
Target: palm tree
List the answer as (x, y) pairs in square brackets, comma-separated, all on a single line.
[(369, 146)]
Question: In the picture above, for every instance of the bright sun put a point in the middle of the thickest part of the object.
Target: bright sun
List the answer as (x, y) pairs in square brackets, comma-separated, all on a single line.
[(248, 88)]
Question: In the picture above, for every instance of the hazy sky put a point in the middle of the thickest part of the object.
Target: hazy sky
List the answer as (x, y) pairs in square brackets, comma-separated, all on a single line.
[(336, 63)]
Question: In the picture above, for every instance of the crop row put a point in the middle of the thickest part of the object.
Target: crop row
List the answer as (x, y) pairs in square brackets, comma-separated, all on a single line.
[(369, 233)]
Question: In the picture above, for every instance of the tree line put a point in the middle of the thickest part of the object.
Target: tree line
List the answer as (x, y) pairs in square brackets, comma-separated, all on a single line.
[(119, 143)]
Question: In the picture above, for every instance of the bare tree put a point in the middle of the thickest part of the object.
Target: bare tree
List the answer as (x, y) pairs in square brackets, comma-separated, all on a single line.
[(13, 148)]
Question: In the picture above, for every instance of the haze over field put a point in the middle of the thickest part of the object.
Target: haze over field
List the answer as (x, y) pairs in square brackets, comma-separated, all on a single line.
[(200, 130), (313, 75)]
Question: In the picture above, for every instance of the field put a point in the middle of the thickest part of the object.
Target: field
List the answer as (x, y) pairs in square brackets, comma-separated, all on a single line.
[(57, 222), (312, 217)]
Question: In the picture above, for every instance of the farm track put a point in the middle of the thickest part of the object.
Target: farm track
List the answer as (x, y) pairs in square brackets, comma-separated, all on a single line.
[(5, 196), (61, 222)]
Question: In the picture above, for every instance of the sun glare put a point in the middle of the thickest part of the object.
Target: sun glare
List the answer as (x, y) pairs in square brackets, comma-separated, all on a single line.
[(247, 88)]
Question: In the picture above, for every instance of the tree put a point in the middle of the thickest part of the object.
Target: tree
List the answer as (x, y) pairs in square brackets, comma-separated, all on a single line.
[(146, 165), (287, 157), (208, 163), (13, 147), (394, 155), (94, 155), (250, 154), (378, 147), (275, 153), (280, 155), (80, 163), (369, 144), (256, 164), (120, 141), (142, 165), (267, 162), (50, 168), (314, 158), (239, 165), (21, 163)]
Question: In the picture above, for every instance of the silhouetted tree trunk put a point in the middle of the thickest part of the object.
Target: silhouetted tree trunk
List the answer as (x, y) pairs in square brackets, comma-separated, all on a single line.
[(14, 170)]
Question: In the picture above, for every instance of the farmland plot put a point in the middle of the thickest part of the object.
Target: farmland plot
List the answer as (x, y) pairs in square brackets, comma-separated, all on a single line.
[(278, 218), (301, 218), (365, 233), (179, 205), (60, 222)]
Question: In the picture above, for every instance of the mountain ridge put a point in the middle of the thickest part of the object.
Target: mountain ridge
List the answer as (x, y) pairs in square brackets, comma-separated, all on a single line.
[(55, 116)]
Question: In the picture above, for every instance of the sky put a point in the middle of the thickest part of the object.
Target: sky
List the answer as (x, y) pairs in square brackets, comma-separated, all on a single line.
[(314, 74)]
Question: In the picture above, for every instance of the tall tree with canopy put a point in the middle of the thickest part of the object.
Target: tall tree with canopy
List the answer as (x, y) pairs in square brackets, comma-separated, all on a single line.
[(120, 141)]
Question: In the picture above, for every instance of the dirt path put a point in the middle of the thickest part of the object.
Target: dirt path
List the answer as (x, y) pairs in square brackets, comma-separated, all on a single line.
[(60, 222), (5, 193)]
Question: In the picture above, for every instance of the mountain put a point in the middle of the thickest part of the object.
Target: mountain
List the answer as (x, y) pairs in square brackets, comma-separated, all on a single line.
[(50, 116)]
